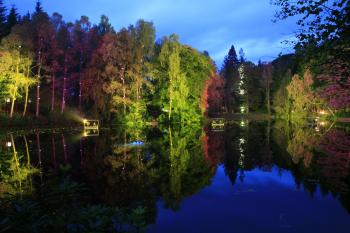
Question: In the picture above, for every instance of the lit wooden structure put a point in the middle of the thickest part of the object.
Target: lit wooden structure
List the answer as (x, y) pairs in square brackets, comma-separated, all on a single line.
[(91, 133), (91, 124), (217, 124)]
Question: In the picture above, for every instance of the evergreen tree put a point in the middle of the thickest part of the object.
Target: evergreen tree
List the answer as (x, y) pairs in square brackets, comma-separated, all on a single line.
[(2, 20), (38, 7), (26, 17), (241, 56), (230, 73), (105, 26), (12, 19)]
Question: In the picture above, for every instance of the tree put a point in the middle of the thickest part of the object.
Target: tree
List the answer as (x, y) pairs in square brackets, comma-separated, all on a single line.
[(267, 72), (28, 81), (143, 35), (2, 20), (320, 20), (302, 98), (12, 19), (215, 93), (324, 28), (15, 73), (241, 55), (42, 34), (229, 72), (334, 87), (105, 26), (170, 61), (250, 87), (81, 40), (38, 7), (64, 40)]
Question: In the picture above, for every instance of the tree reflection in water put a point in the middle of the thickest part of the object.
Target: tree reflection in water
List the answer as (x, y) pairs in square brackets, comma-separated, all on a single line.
[(133, 170)]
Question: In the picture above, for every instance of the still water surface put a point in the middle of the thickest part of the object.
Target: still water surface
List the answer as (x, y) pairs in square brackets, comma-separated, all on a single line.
[(248, 177)]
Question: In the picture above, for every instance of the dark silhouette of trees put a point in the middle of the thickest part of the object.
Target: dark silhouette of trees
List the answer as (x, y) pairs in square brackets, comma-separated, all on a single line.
[(3, 25), (12, 19)]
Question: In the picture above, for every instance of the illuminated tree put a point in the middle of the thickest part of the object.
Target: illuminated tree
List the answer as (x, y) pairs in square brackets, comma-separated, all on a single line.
[(143, 35), (41, 35), (267, 71), (15, 73), (302, 97), (229, 72), (170, 61), (81, 40), (215, 93), (335, 86), (64, 40)]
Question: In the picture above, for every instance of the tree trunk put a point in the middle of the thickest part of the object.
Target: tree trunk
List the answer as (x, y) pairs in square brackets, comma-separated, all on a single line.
[(26, 93), (170, 99), (53, 93), (38, 86), (124, 91), (39, 156), (80, 92), (27, 149), (64, 88), (25, 101), (80, 78), (64, 149), (54, 151), (13, 102), (268, 98)]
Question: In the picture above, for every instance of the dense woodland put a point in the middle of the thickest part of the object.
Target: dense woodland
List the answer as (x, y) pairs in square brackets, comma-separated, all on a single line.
[(52, 68), (58, 67)]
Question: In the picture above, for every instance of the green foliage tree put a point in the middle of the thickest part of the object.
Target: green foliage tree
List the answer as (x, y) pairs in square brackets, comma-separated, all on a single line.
[(301, 96), (16, 71), (324, 29)]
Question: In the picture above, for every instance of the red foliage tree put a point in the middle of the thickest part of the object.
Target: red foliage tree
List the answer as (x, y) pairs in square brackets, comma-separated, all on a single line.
[(214, 95), (336, 87)]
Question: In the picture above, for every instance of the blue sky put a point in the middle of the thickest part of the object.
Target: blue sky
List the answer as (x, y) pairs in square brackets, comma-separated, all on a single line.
[(212, 25)]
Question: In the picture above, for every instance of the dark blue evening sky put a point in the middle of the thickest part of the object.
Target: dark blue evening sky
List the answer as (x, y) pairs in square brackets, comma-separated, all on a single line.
[(212, 25)]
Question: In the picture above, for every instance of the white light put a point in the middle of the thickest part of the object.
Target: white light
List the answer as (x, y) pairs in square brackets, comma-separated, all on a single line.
[(8, 100), (8, 144)]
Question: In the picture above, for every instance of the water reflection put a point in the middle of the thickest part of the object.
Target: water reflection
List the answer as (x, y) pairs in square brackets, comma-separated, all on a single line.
[(133, 169), (16, 169)]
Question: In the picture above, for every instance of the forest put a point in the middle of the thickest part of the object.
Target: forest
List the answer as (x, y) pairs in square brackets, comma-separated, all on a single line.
[(52, 70)]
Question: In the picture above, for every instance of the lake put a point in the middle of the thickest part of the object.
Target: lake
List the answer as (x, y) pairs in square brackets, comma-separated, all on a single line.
[(244, 177)]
